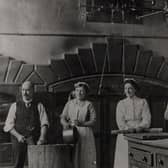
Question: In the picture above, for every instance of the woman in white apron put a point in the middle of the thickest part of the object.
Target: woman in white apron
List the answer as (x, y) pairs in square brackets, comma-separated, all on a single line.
[(131, 113), (81, 113)]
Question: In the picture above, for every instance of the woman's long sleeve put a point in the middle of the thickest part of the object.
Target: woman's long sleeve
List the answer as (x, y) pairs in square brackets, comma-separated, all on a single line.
[(120, 118), (146, 116), (64, 116), (92, 116)]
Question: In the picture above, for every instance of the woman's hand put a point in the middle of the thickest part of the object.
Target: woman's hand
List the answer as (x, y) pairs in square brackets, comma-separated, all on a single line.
[(139, 129), (76, 123), (66, 125), (131, 130)]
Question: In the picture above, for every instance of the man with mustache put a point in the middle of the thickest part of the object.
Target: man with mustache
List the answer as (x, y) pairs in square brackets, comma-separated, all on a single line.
[(27, 122)]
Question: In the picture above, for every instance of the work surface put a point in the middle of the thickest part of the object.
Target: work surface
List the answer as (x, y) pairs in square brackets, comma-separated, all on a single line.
[(148, 136), (151, 139), (148, 150)]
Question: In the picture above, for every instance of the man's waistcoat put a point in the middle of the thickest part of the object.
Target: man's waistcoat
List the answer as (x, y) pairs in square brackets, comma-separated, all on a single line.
[(27, 119)]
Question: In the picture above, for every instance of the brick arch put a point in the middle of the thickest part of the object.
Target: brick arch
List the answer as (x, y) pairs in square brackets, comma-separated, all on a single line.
[(122, 58)]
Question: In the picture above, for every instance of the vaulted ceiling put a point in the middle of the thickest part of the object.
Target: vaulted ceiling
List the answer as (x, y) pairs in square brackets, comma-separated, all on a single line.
[(110, 62)]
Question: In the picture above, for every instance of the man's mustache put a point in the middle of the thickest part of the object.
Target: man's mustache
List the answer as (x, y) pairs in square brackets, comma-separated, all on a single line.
[(26, 95)]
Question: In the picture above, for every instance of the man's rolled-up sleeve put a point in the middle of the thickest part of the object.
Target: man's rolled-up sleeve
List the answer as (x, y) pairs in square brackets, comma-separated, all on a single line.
[(11, 117), (43, 115)]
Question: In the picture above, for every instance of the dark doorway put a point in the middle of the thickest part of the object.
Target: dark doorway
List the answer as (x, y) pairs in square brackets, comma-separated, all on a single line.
[(105, 143)]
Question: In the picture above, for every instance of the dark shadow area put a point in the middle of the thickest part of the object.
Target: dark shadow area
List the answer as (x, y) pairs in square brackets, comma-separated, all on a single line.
[(54, 104)]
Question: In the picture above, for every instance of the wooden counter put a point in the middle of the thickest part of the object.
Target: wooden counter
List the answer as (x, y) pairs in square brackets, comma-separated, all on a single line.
[(148, 153)]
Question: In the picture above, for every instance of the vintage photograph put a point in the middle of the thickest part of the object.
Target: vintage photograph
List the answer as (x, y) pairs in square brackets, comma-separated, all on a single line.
[(83, 83)]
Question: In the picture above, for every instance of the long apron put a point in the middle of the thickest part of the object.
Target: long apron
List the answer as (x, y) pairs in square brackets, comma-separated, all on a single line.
[(121, 152), (85, 150)]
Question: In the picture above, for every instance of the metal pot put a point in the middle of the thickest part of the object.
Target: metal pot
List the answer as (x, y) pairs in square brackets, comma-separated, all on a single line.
[(70, 135)]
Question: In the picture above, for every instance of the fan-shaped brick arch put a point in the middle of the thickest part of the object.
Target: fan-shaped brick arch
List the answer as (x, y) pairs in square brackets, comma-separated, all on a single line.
[(115, 57)]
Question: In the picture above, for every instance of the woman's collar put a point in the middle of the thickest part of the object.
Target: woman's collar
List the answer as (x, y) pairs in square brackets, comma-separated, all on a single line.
[(78, 101), (132, 98)]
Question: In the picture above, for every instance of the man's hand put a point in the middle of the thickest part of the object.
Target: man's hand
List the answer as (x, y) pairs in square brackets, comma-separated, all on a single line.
[(41, 142), (42, 138), (21, 138), (18, 136)]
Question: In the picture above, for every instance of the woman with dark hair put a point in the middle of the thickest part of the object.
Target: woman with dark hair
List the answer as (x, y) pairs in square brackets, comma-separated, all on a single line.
[(131, 113), (81, 113)]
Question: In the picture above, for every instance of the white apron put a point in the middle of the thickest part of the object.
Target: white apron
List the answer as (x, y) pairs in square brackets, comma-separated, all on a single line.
[(85, 151), (121, 152)]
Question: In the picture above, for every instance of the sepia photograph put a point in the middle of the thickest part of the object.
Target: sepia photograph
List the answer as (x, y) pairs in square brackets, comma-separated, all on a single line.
[(83, 83)]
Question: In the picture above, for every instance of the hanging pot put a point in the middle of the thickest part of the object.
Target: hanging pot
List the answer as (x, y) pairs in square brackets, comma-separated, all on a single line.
[(70, 135)]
